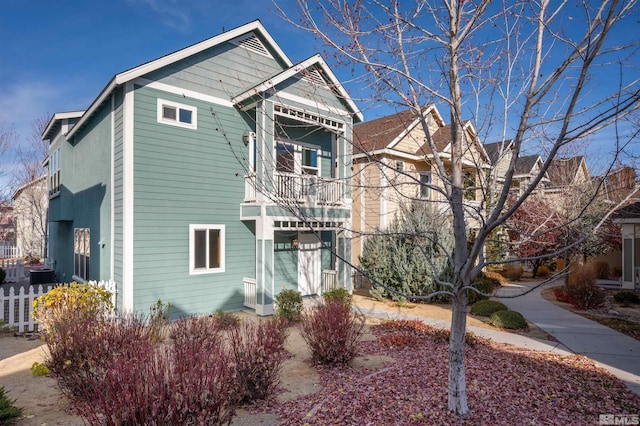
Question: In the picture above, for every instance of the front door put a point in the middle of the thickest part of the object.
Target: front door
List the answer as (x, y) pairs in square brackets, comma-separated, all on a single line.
[(308, 263)]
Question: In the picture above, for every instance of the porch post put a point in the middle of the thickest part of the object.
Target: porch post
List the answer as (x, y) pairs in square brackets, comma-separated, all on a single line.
[(628, 256), (344, 269), (264, 267)]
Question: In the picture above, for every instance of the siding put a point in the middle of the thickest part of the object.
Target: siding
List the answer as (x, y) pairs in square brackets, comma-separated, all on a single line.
[(183, 177), (233, 71), (117, 192), (285, 261)]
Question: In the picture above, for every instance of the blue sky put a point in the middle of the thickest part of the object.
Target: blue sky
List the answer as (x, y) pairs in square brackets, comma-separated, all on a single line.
[(58, 54)]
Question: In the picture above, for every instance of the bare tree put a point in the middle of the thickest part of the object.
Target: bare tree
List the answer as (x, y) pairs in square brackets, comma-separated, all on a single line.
[(7, 138), (528, 72), (32, 153)]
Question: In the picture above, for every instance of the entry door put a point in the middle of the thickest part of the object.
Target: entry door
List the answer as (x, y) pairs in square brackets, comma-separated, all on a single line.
[(308, 264)]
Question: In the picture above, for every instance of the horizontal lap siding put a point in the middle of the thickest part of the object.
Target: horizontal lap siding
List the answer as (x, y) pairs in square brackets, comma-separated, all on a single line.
[(117, 193), (183, 177)]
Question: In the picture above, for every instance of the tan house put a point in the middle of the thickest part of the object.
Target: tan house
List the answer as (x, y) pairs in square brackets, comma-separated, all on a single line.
[(392, 165), (527, 167), (30, 202)]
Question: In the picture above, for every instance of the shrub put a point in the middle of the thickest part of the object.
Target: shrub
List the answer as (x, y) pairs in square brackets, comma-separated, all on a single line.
[(81, 350), (182, 384), (585, 295), (484, 285), (8, 413), (82, 301), (201, 330), (332, 331), (289, 304), (508, 319), (495, 277), (485, 308), (159, 315), (626, 297), (543, 271), (601, 268), (616, 272), (513, 273), (411, 333), (582, 275), (225, 320), (39, 369), (257, 350), (3, 275), (561, 294), (338, 294)]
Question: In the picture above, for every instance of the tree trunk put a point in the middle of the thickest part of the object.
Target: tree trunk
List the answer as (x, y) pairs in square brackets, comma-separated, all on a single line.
[(457, 380)]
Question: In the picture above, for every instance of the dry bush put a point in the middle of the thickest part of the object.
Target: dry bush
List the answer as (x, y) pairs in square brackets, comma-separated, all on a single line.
[(601, 268)]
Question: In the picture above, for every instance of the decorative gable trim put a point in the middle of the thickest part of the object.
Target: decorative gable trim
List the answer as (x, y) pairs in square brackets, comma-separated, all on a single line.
[(252, 43)]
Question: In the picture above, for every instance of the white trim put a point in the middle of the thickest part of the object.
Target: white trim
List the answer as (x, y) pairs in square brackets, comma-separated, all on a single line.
[(182, 92), (363, 207), (128, 199), (206, 227), (58, 116), (307, 102), (129, 75), (383, 196), (112, 182), (161, 103), (393, 152)]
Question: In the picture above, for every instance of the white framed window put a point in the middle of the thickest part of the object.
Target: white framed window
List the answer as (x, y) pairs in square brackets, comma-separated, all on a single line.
[(206, 249), (425, 188), (293, 158), (54, 173), (176, 114), (81, 253)]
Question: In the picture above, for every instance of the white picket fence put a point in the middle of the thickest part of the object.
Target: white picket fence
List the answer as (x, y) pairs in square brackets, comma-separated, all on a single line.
[(15, 309), (9, 251), (14, 269)]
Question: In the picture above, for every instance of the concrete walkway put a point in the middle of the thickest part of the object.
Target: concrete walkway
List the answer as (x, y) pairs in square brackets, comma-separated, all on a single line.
[(611, 350)]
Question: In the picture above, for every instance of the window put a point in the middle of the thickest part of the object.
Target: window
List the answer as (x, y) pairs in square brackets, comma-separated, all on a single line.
[(399, 165), (298, 159), (285, 158), (425, 188), (81, 253), (469, 182), (54, 173), (206, 249), (309, 161), (177, 114)]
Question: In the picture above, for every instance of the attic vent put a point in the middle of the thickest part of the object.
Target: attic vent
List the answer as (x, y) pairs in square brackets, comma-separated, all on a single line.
[(252, 43), (312, 75)]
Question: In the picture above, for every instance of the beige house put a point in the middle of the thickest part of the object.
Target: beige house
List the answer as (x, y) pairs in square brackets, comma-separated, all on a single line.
[(527, 167), (393, 165), (30, 202)]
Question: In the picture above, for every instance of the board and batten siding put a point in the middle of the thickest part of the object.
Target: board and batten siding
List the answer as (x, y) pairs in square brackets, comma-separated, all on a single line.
[(232, 71), (182, 177)]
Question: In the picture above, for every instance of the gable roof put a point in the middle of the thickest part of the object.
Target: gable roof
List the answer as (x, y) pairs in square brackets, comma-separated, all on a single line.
[(312, 63), (632, 211), (563, 171), (525, 164), (133, 73), (494, 150), (56, 119), (383, 132), (29, 184)]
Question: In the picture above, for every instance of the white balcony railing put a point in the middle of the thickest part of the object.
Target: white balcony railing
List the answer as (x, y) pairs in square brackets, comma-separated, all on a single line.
[(329, 280), (250, 293), (297, 188)]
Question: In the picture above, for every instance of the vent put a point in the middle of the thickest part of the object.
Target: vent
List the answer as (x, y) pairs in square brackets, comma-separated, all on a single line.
[(252, 43), (313, 76)]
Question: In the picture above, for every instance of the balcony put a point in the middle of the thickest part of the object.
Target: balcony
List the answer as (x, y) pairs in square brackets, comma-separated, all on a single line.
[(296, 188)]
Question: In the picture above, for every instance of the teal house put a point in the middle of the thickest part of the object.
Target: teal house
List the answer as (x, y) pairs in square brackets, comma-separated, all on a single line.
[(210, 178)]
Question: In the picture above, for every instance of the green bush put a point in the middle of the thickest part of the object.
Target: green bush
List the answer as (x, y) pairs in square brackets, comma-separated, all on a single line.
[(3, 275), (508, 319), (289, 304), (8, 413), (626, 297), (78, 300), (485, 285), (543, 271), (338, 294), (485, 308)]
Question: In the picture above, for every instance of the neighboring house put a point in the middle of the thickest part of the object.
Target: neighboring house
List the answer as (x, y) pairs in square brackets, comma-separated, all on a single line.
[(30, 203), (629, 220), (567, 178), (7, 225), (619, 185), (210, 178), (392, 165), (526, 170)]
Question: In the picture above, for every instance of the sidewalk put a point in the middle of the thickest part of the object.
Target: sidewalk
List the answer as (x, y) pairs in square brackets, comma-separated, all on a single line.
[(615, 352)]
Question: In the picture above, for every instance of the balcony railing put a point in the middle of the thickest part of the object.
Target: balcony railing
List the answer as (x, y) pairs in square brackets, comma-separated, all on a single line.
[(297, 188)]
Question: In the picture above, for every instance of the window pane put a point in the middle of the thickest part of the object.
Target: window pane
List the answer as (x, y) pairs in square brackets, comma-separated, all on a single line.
[(200, 249), (214, 248), (309, 157), (168, 112), (284, 158), (185, 116)]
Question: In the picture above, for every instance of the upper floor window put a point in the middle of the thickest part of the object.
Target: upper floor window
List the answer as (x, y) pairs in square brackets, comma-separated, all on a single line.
[(54, 173), (297, 159), (81, 253), (469, 182), (206, 249), (309, 161), (425, 185), (177, 114)]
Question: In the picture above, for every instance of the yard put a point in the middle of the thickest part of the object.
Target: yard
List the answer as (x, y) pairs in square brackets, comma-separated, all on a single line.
[(399, 377)]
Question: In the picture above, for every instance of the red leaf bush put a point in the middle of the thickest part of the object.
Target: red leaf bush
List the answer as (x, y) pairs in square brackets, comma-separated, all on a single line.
[(332, 331), (257, 351), (584, 295), (561, 294)]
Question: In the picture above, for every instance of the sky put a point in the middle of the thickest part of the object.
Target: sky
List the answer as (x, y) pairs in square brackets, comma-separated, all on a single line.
[(58, 55)]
